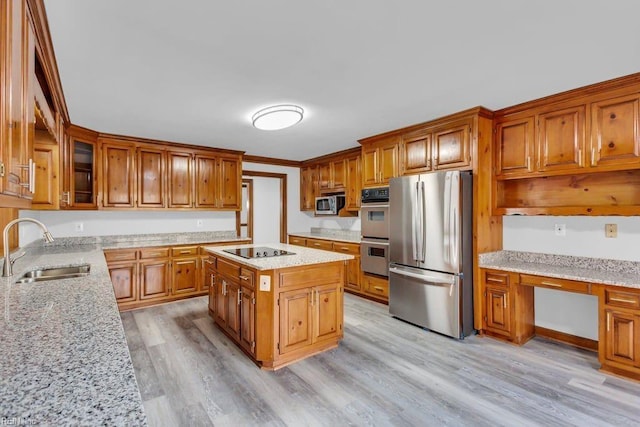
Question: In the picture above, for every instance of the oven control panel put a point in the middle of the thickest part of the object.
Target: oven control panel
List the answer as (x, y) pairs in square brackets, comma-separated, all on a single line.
[(375, 195)]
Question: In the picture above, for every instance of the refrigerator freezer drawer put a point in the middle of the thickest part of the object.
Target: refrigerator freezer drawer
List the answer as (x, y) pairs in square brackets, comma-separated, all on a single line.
[(426, 298)]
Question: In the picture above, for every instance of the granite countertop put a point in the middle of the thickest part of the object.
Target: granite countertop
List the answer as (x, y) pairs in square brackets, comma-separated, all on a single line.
[(150, 240), (329, 234), (302, 256), (593, 270), (65, 356)]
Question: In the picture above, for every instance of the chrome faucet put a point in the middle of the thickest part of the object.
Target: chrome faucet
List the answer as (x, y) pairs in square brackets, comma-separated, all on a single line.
[(8, 262)]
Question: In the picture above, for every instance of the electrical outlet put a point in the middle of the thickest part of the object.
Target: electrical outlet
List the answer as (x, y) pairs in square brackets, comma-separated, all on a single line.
[(611, 230), (265, 283), (199, 223), (560, 229), (79, 226)]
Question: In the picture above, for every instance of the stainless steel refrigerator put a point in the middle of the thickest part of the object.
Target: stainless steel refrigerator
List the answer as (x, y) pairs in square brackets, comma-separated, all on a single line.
[(430, 251)]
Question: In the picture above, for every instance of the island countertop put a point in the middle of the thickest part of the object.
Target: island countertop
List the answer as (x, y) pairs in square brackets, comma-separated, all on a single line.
[(301, 256)]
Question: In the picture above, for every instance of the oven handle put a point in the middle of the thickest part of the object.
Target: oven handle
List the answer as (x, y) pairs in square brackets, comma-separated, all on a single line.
[(370, 243)]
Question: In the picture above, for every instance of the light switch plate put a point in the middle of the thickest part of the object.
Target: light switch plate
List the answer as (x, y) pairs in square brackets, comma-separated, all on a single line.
[(265, 283)]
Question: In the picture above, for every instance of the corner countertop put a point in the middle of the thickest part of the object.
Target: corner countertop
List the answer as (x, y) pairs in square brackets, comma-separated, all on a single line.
[(593, 270), (301, 256), (326, 234), (65, 356)]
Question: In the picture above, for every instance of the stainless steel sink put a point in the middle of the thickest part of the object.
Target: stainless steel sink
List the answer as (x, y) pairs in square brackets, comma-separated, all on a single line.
[(56, 273)]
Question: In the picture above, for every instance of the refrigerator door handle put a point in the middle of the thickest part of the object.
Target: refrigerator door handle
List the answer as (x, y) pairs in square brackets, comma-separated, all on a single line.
[(454, 218), (423, 222), (446, 220), (432, 280), (415, 221)]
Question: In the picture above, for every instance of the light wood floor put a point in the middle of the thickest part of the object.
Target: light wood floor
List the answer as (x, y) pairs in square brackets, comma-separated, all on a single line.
[(385, 372)]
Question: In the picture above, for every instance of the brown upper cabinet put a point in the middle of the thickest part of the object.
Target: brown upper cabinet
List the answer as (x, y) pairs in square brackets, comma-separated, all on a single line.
[(17, 121), (118, 174), (151, 164), (354, 183), (564, 154), (545, 142), (308, 187), (335, 173), (380, 160), (332, 175), (416, 152), (436, 147), (79, 165), (451, 146), (142, 175), (615, 132)]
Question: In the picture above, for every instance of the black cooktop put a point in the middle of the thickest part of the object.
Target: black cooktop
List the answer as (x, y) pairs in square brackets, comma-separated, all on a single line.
[(259, 252)]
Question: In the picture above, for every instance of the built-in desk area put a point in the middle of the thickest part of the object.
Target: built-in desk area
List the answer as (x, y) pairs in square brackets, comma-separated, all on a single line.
[(508, 279)]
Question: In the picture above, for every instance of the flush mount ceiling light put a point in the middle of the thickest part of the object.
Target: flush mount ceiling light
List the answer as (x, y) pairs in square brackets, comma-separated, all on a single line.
[(277, 117)]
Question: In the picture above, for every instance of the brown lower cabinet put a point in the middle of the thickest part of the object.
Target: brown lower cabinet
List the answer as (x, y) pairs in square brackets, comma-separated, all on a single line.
[(147, 276), (508, 306), (508, 314), (619, 346), (357, 283), (297, 313)]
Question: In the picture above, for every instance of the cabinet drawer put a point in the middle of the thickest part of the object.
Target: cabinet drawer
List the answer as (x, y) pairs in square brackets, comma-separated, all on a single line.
[(552, 283), (247, 277), (120, 255), (326, 245), (184, 251), (376, 286), (347, 248), (149, 253), (297, 241), (624, 299), (495, 278), (228, 268)]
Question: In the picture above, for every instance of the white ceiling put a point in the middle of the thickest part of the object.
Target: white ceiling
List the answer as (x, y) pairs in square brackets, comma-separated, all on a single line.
[(194, 71)]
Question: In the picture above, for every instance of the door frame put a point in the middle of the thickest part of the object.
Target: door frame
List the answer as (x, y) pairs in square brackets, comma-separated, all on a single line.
[(249, 224), (283, 199)]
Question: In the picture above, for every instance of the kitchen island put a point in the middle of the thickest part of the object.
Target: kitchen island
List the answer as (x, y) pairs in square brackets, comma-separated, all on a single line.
[(278, 309)]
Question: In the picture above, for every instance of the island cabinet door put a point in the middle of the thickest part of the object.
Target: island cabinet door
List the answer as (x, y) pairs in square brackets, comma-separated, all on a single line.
[(247, 320), (212, 293), (327, 312), (220, 301), (233, 300), (296, 317)]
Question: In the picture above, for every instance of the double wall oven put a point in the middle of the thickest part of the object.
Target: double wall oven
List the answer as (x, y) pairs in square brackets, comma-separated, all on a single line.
[(374, 216)]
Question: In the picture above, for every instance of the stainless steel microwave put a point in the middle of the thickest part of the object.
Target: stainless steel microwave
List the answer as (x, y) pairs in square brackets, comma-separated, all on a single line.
[(329, 205)]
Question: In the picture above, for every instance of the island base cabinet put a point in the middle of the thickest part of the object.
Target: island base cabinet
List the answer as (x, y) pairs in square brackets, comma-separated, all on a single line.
[(308, 316), (295, 313)]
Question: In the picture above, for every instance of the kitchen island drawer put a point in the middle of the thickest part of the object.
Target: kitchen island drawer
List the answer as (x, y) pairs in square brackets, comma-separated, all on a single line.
[(553, 283)]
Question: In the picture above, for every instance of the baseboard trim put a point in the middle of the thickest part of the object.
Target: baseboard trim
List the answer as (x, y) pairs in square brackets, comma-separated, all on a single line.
[(581, 342)]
